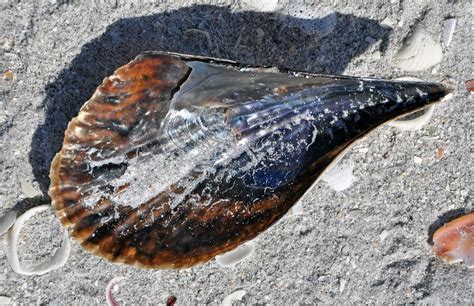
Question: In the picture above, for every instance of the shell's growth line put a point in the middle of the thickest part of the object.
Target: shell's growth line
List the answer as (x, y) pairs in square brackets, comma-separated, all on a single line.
[(176, 159)]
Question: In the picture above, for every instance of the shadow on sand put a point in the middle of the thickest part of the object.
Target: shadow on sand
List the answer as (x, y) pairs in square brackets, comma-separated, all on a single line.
[(200, 30)]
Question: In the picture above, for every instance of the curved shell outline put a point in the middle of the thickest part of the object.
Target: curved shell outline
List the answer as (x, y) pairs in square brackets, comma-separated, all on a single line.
[(176, 159)]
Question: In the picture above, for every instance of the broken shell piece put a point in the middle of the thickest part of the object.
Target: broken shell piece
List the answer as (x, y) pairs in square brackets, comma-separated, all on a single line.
[(416, 123), (5, 300), (454, 241), (237, 255), (7, 221), (178, 158), (11, 243), (448, 31), (419, 52), (112, 286), (29, 189), (297, 209), (233, 297), (340, 176)]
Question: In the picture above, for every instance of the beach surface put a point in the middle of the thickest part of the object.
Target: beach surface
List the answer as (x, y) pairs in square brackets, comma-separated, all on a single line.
[(367, 243)]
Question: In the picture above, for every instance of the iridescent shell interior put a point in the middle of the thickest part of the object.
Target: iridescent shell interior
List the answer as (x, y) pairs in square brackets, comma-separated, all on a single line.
[(176, 159)]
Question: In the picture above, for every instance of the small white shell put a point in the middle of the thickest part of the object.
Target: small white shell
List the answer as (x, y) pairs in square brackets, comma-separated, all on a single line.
[(419, 52), (237, 255), (11, 243), (448, 31)]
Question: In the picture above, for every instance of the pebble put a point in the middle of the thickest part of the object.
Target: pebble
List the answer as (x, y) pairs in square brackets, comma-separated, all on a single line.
[(234, 296), (417, 160)]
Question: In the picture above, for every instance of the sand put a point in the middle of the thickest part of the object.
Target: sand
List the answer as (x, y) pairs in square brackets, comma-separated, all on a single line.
[(367, 243)]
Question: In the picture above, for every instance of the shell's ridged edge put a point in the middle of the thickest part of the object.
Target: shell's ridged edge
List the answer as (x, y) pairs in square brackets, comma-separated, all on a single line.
[(58, 203)]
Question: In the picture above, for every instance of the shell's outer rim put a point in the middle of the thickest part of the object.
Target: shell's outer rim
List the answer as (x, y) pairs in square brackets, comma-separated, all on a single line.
[(58, 204), (465, 219), (228, 62), (57, 260)]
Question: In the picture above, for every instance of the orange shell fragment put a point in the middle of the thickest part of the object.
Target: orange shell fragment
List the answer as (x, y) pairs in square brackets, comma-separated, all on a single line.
[(454, 242)]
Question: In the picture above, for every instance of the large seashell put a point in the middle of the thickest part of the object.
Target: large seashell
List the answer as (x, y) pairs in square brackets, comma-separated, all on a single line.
[(176, 159)]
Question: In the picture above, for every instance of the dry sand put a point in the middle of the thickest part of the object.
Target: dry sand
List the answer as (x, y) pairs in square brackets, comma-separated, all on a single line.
[(368, 243)]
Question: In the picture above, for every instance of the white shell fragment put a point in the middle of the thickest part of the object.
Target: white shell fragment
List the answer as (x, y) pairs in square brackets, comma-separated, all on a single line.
[(7, 221), (260, 5), (448, 31), (112, 286), (340, 176), (237, 255), (297, 209), (28, 189), (5, 300), (419, 52), (11, 243), (414, 124), (234, 296)]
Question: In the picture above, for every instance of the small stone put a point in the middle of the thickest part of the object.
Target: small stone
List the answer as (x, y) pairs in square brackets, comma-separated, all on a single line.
[(417, 160), (7, 44), (440, 153), (342, 284), (260, 33), (8, 76), (171, 300), (383, 235), (470, 85)]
